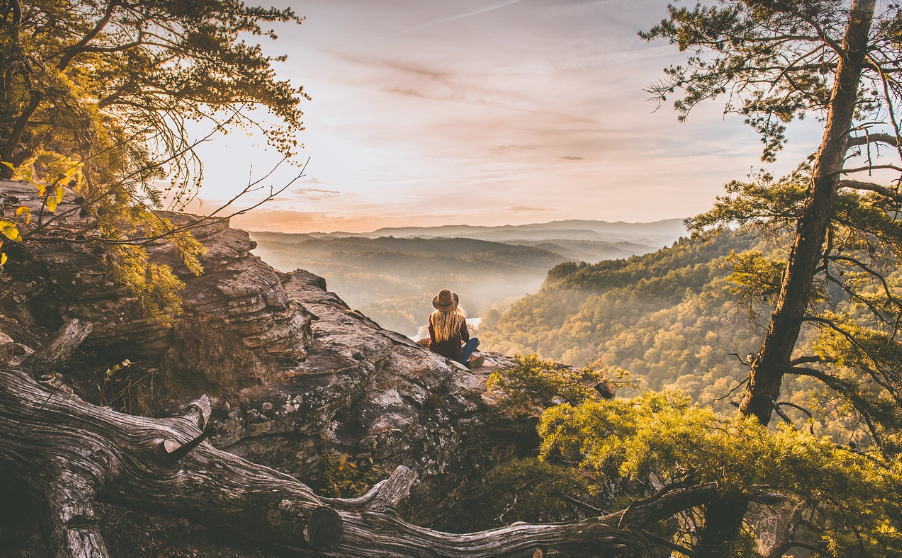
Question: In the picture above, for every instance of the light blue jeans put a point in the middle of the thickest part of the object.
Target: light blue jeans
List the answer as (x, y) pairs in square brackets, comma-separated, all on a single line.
[(467, 350)]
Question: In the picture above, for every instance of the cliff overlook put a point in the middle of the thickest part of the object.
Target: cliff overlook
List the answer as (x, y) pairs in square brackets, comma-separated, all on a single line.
[(297, 380)]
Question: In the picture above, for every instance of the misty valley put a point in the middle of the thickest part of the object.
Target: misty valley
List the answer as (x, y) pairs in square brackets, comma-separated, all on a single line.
[(668, 316), (391, 275)]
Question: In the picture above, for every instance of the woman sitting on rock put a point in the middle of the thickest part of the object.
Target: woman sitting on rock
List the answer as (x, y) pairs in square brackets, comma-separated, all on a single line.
[(448, 331)]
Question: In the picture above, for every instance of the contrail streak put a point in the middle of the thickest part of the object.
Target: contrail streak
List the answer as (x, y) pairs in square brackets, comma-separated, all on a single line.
[(488, 8)]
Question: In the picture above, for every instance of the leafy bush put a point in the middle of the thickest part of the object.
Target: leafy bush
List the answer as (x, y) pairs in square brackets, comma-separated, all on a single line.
[(533, 383)]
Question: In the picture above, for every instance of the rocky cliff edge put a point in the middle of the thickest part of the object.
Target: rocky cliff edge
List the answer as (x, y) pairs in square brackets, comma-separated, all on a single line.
[(299, 381)]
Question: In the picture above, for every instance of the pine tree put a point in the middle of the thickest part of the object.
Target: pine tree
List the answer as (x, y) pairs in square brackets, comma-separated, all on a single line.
[(777, 61)]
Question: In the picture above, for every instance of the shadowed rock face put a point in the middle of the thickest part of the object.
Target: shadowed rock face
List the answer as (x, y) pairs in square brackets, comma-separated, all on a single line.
[(294, 372), (373, 393), (238, 325)]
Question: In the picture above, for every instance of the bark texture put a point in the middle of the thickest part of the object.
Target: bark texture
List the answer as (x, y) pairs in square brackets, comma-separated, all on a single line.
[(70, 454), (724, 518), (776, 350)]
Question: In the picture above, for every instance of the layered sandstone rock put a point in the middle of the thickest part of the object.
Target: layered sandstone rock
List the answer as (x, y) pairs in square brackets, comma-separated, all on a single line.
[(238, 325), (373, 394), (295, 374)]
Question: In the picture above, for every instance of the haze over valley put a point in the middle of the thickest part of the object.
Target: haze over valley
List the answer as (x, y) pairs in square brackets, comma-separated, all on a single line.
[(391, 275)]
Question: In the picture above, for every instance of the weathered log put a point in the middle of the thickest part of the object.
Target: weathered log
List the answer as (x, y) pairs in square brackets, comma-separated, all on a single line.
[(71, 453)]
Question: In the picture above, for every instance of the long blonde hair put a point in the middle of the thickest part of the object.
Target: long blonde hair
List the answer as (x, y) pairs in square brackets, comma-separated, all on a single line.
[(447, 324)]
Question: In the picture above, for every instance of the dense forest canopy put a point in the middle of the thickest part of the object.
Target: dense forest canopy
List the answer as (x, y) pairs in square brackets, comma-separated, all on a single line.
[(664, 316), (674, 319)]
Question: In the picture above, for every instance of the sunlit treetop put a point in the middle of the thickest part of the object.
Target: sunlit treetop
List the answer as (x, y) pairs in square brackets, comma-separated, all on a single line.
[(102, 98), (775, 61), (115, 83)]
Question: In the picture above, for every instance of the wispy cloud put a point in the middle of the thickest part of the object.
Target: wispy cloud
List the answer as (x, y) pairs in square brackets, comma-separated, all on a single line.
[(578, 8), (515, 147), (503, 108), (307, 191), (530, 209), (370, 61), (482, 10)]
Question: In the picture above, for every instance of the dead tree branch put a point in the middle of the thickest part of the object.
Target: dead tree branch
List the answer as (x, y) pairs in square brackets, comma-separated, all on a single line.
[(60, 348)]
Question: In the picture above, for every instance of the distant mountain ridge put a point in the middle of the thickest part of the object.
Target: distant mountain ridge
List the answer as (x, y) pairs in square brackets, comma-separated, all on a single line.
[(393, 280), (666, 230), (655, 232)]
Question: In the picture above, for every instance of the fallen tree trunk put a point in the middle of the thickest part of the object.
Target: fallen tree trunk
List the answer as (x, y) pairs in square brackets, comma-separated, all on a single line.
[(71, 454)]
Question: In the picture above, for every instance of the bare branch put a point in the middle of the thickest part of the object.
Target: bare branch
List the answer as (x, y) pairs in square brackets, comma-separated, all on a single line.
[(78, 47), (60, 348), (840, 387), (799, 408), (674, 497), (17, 12), (384, 495), (888, 139), (786, 540), (805, 360), (580, 503), (864, 267), (668, 544), (822, 33), (872, 308), (889, 104), (736, 387), (782, 414), (873, 373), (15, 135), (871, 187), (868, 168), (175, 451)]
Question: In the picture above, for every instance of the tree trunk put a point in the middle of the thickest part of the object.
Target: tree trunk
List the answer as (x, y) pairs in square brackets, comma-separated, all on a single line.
[(723, 520), (775, 354), (69, 454), (776, 350), (8, 149)]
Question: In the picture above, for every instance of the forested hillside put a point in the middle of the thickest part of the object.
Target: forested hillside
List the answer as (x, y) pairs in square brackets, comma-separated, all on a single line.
[(670, 317)]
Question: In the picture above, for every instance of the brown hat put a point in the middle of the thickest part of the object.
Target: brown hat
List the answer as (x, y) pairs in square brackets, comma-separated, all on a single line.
[(445, 301)]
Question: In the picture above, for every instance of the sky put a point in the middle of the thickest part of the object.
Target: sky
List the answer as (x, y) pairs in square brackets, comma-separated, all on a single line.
[(486, 112)]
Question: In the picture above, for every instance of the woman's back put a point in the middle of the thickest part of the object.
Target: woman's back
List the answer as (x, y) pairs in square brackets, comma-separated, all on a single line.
[(447, 331)]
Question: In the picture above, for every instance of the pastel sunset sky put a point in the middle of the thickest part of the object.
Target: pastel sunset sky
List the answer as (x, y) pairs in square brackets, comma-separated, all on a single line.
[(487, 112)]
